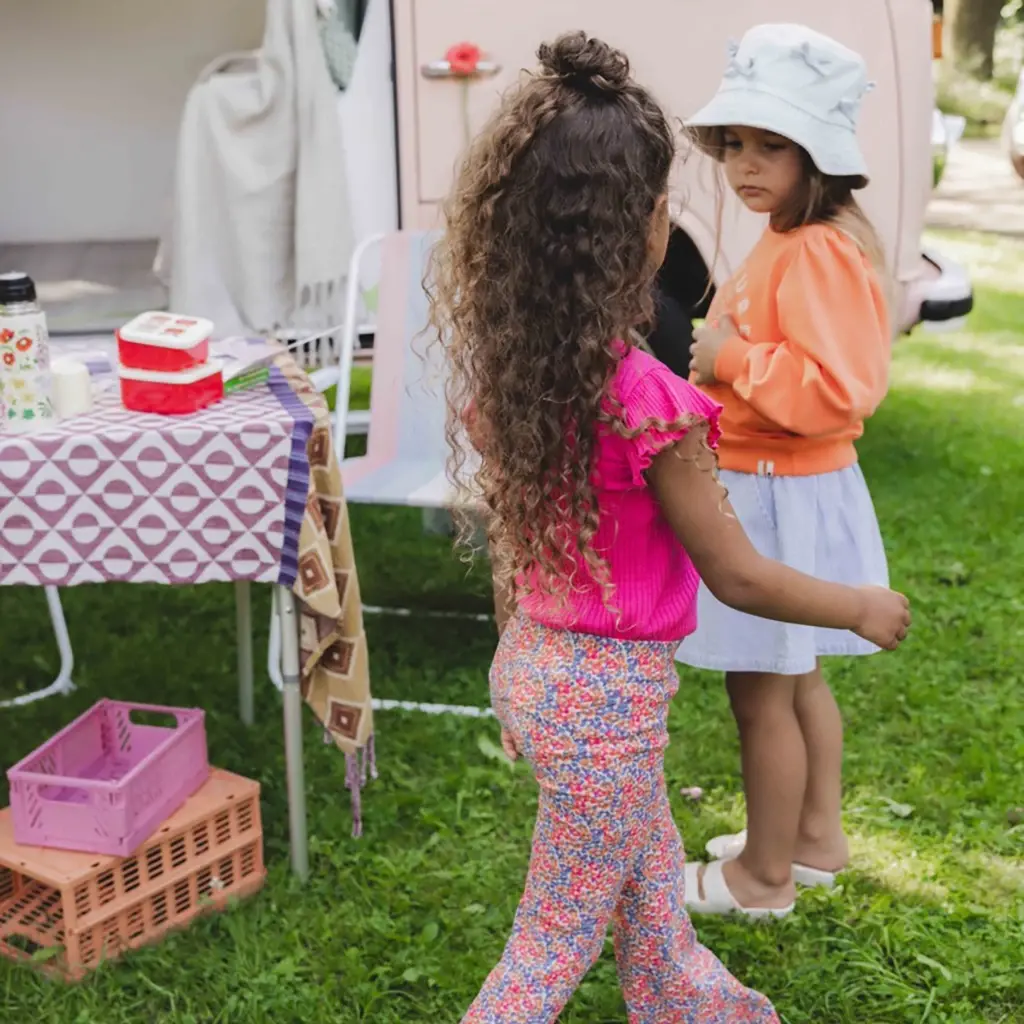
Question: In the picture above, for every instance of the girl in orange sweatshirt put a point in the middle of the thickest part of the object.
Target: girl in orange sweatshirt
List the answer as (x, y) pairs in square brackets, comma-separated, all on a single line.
[(796, 349)]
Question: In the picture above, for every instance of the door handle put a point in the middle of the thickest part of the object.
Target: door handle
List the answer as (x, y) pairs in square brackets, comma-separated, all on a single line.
[(442, 69)]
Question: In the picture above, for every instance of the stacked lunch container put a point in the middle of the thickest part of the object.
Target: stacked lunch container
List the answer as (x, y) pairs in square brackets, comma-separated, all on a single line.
[(165, 365)]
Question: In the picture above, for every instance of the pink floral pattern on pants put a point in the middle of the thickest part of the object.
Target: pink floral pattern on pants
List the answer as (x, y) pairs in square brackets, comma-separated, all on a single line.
[(590, 716)]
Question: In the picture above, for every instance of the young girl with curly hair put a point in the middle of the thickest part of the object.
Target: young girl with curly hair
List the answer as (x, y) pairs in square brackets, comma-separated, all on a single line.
[(597, 476)]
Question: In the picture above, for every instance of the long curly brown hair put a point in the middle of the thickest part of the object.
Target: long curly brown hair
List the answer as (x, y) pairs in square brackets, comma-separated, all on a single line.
[(542, 273)]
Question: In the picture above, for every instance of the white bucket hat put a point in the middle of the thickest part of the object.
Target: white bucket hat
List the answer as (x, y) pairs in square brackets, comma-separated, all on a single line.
[(798, 83)]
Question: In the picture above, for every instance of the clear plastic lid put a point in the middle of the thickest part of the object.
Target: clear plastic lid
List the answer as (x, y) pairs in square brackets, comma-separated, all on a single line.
[(166, 330)]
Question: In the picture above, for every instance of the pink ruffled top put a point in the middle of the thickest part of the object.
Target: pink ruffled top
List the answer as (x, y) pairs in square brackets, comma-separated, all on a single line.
[(654, 594)]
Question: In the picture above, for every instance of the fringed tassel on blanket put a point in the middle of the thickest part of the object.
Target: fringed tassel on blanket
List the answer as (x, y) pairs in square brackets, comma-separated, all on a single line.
[(359, 768), (368, 756), (354, 784)]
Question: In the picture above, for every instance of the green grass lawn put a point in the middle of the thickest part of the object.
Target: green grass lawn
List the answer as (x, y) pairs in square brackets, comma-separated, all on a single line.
[(401, 926)]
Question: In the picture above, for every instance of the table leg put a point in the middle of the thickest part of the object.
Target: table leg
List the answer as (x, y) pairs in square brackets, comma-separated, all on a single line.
[(274, 648), (292, 698), (243, 617), (62, 684)]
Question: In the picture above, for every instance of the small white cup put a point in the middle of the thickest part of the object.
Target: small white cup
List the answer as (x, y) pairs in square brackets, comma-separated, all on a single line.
[(70, 387)]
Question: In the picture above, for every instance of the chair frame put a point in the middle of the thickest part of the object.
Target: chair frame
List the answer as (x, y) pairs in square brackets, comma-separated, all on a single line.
[(62, 684), (343, 427)]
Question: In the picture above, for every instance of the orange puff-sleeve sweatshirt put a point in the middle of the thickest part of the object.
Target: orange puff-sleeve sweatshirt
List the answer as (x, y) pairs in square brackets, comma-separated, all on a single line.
[(811, 360)]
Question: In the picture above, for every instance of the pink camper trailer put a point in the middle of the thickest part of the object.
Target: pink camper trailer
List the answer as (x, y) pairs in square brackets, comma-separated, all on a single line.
[(404, 114), (678, 48)]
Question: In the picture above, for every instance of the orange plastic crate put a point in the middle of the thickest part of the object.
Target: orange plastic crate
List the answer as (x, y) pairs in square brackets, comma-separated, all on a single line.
[(66, 913)]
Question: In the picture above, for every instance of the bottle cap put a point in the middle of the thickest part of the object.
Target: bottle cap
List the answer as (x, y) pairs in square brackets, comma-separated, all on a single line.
[(16, 287)]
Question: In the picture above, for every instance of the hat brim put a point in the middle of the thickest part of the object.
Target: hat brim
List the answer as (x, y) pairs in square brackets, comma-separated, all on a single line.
[(833, 150)]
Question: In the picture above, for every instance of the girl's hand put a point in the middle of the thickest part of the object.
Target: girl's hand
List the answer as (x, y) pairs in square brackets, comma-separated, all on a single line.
[(509, 745), (707, 343), (884, 618)]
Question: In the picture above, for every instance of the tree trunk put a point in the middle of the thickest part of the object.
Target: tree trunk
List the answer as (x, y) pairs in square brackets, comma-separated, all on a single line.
[(971, 27)]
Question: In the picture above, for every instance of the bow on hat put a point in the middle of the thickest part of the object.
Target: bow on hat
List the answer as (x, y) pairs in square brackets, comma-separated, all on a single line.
[(736, 67), (815, 61), (849, 107)]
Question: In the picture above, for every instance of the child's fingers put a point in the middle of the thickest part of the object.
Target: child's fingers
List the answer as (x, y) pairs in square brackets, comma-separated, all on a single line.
[(508, 745)]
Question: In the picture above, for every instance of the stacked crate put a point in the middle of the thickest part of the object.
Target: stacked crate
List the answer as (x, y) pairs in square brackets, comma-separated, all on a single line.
[(89, 886)]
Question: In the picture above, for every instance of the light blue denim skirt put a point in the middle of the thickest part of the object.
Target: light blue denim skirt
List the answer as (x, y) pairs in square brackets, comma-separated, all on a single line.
[(823, 525)]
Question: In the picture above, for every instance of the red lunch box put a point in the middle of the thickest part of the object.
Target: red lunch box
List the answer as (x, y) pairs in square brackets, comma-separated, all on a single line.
[(172, 394), (164, 342)]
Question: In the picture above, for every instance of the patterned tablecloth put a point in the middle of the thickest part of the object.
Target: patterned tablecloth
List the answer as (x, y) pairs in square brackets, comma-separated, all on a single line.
[(115, 495), (249, 489)]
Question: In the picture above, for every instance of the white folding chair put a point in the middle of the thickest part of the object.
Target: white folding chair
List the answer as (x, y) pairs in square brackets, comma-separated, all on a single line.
[(407, 451)]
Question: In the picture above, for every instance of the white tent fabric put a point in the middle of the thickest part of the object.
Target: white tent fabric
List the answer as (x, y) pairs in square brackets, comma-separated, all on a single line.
[(261, 234)]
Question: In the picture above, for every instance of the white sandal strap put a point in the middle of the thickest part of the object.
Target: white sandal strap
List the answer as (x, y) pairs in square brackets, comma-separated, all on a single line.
[(717, 898)]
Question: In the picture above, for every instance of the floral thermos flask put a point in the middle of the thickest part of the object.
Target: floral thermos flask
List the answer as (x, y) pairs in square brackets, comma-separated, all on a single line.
[(25, 402)]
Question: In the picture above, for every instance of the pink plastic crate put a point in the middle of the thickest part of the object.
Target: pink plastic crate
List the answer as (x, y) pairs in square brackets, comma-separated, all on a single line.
[(104, 784)]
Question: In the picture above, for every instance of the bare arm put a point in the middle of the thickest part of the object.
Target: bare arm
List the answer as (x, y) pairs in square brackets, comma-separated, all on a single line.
[(504, 598), (692, 500), (504, 609)]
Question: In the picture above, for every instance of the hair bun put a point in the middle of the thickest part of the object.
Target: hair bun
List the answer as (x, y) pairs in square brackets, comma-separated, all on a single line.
[(577, 58)]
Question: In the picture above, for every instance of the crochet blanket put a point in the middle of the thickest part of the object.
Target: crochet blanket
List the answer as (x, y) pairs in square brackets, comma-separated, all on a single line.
[(335, 661)]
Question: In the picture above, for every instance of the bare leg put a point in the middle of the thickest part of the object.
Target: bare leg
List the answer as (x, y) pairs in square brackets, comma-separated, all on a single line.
[(820, 841), (774, 759)]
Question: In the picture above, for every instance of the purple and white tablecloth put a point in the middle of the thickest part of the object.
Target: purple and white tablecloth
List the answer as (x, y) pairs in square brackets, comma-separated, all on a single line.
[(118, 496)]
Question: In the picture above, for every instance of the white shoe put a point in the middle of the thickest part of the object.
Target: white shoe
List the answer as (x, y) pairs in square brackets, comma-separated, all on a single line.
[(718, 899), (729, 847)]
